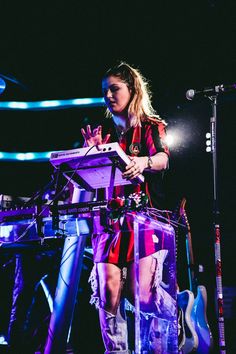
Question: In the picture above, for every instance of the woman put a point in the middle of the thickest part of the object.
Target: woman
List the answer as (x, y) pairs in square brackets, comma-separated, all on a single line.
[(141, 134)]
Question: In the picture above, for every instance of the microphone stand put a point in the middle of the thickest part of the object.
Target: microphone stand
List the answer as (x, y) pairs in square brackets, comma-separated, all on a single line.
[(216, 227)]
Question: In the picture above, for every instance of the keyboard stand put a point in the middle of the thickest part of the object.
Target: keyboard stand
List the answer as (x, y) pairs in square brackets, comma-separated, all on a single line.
[(65, 295)]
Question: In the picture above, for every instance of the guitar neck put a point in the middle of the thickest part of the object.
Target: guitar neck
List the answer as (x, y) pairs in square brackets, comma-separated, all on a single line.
[(190, 262), (189, 249)]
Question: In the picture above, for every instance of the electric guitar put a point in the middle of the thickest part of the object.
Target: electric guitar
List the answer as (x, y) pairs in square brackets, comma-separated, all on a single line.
[(189, 342), (198, 313)]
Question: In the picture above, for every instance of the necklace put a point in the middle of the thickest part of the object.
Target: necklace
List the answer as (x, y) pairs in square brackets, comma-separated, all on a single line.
[(121, 132)]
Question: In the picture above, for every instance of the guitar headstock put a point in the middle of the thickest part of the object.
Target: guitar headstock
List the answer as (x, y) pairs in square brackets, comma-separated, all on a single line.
[(182, 212), (179, 211)]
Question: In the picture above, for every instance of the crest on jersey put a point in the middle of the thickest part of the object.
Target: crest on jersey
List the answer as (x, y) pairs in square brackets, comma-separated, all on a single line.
[(135, 148)]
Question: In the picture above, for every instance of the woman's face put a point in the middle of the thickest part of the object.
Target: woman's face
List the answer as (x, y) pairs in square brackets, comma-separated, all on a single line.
[(117, 95)]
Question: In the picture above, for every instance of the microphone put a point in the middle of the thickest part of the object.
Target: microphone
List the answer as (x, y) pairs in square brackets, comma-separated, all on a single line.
[(208, 91)]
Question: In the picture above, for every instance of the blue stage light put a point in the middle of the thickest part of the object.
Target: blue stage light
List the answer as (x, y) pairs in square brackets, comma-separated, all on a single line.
[(52, 104), (42, 105), (25, 156), (2, 85)]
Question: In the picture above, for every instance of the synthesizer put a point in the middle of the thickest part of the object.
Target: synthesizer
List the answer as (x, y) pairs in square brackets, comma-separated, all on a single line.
[(91, 167)]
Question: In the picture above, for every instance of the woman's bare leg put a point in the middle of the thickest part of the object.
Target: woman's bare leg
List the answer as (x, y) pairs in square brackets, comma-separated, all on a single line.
[(110, 286), (111, 312)]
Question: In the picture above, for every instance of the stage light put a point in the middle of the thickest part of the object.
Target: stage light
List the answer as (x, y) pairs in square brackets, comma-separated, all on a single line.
[(2, 85), (26, 156), (208, 142), (88, 101), (29, 156), (52, 104), (17, 105), (169, 140), (174, 138), (20, 156)]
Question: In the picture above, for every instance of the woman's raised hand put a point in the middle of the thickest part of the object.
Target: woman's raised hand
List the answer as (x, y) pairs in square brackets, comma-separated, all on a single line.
[(94, 137)]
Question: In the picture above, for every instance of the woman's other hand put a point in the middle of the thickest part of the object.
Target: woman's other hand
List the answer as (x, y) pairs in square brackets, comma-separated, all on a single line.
[(135, 167)]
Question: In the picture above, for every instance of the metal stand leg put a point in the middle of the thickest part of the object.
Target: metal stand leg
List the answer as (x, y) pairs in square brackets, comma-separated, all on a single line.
[(216, 225), (65, 296)]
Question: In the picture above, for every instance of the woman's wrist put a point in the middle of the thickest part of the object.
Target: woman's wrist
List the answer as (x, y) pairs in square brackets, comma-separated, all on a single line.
[(149, 163)]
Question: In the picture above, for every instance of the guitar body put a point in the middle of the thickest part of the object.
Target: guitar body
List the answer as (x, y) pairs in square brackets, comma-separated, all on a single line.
[(189, 343), (200, 323)]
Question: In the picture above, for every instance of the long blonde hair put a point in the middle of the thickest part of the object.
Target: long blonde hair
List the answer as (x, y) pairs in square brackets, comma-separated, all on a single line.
[(140, 106)]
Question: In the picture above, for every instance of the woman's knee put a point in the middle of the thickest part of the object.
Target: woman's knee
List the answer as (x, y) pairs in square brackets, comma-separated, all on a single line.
[(110, 288)]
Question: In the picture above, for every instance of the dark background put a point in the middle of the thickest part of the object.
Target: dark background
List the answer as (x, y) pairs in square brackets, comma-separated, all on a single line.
[(60, 50)]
